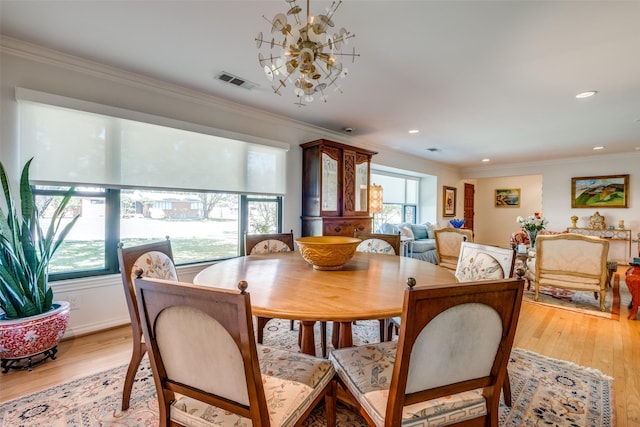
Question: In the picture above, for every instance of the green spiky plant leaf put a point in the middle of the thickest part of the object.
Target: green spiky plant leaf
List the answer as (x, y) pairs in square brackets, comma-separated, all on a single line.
[(26, 250)]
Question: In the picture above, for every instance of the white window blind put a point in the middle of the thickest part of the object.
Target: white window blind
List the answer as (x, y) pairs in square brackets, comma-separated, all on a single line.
[(84, 146)]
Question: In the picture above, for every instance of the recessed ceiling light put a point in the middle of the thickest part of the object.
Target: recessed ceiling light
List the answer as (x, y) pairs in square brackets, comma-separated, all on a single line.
[(586, 94), (599, 147), (486, 160), (414, 131)]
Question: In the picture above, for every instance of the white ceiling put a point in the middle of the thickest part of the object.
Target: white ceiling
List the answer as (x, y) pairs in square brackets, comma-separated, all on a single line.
[(479, 79)]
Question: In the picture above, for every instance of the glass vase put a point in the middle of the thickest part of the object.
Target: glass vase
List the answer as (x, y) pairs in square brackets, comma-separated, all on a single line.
[(533, 235)]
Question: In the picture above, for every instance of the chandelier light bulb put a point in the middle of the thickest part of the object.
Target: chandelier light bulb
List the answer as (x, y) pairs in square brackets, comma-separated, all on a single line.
[(309, 55)]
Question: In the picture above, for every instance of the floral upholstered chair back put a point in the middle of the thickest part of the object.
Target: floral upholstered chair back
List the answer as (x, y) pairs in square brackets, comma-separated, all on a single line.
[(156, 265), (378, 243), (484, 262), (519, 237), (255, 244)]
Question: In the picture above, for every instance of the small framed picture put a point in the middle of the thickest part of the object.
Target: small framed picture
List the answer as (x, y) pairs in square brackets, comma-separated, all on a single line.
[(448, 201), (507, 198)]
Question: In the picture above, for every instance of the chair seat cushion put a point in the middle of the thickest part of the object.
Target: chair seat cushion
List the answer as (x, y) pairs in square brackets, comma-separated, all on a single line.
[(367, 371), (292, 381)]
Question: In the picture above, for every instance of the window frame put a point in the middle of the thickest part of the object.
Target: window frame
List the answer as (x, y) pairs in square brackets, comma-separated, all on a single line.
[(112, 201)]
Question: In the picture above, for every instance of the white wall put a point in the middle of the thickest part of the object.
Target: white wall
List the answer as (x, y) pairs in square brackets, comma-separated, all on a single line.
[(494, 225), (556, 195), (100, 301)]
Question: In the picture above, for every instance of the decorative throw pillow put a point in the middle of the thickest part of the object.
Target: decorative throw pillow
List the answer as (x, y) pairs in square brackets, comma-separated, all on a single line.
[(430, 229), (419, 231), (406, 232)]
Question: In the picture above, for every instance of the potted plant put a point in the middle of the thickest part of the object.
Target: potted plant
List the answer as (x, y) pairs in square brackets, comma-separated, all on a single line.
[(32, 323)]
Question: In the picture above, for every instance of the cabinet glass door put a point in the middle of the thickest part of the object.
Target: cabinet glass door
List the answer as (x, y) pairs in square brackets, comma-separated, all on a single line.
[(329, 183), (362, 187)]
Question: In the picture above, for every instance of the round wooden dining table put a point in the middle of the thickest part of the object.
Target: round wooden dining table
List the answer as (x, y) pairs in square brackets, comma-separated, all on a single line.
[(284, 286)]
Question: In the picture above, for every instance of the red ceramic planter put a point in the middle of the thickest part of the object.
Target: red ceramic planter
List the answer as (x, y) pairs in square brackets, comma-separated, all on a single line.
[(26, 337)]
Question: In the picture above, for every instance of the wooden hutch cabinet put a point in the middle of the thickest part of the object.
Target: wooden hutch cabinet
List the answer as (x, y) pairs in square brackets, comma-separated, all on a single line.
[(335, 189)]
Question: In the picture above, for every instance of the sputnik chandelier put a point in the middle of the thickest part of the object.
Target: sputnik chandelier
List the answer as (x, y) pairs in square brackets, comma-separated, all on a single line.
[(308, 55)]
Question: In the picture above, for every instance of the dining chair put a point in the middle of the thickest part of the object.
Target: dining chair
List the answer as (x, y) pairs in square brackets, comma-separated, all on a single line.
[(268, 243), (479, 262), (209, 371), (448, 242), (255, 244), (380, 243), (151, 260), (449, 362)]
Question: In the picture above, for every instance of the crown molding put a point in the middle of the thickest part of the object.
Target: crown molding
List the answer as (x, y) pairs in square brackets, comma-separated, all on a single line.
[(43, 55), (533, 168)]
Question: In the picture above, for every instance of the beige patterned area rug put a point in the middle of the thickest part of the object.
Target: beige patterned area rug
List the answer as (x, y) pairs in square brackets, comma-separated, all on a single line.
[(618, 297), (546, 392)]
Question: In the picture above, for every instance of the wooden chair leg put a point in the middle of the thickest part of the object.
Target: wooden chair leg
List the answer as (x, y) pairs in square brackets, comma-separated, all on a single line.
[(506, 390), (330, 403), (291, 325), (139, 350)]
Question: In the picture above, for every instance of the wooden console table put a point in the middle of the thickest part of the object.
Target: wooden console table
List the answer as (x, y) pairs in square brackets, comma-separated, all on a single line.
[(612, 234)]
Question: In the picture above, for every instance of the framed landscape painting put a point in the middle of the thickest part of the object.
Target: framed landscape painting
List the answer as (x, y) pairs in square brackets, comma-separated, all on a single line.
[(449, 201), (507, 198), (600, 191)]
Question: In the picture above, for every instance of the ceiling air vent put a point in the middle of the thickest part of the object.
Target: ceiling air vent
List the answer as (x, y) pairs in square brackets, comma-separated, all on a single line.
[(235, 80)]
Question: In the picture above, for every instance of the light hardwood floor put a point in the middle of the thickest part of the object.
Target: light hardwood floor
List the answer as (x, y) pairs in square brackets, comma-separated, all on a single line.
[(611, 346)]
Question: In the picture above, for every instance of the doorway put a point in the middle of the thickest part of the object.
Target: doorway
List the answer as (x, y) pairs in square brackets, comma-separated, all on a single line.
[(469, 192)]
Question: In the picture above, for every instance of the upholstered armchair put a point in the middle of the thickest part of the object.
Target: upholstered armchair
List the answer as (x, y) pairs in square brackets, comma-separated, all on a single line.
[(519, 237), (572, 261), (448, 242)]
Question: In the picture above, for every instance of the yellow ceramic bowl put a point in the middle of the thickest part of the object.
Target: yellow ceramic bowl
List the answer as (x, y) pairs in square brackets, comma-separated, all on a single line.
[(327, 252)]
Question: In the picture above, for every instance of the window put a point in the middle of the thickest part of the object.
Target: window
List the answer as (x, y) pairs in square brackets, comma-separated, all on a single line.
[(202, 226), (399, 197)]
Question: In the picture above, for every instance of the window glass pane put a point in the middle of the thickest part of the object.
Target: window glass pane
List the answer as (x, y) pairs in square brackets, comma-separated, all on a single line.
[(84, 246), (393, 189), (391, 213), (412, 192), (263, 216), (410, 214), (201, 226)]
